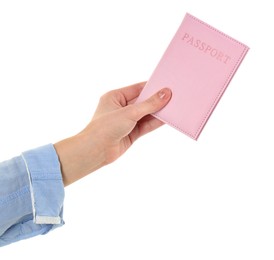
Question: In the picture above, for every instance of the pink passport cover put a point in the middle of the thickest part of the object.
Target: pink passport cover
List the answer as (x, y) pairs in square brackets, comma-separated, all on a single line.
[(197, 66)]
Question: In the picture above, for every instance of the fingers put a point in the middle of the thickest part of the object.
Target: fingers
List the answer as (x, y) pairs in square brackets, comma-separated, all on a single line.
[(132, 92), (149, 106), (145, 125), (118, 98)]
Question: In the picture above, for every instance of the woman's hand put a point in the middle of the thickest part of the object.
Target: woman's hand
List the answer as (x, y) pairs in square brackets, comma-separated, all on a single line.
[(117, 123)]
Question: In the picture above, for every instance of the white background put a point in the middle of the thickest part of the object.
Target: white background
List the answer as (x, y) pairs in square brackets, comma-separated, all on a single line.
[(168, 197)]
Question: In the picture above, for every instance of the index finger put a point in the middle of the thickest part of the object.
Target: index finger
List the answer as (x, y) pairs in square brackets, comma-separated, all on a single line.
[(133, 91)]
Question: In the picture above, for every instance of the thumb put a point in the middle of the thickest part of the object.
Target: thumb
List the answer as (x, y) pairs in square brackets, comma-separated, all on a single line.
[(151, 105)]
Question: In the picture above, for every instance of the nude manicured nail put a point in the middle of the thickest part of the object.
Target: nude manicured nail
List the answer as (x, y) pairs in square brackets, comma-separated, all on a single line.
[(163, 93)]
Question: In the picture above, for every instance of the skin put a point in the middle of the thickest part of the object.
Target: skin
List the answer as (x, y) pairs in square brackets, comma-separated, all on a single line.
[(116, 124)]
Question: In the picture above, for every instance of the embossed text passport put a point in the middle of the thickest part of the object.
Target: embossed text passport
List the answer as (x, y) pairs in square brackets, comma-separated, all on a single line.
[(197, 66)]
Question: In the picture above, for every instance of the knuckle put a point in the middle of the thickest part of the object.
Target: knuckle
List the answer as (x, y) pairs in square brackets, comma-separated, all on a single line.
[(135, 111), (105, 98), (153, 102)]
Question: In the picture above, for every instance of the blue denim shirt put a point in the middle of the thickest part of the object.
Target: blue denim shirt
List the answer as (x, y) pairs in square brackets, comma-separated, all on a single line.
[(31, 195)]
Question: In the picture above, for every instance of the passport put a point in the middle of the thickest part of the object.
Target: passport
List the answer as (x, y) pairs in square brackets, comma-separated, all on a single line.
[(197, 66)]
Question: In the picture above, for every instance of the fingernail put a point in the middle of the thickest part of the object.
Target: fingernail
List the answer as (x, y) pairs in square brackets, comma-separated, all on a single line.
[(163, 93)]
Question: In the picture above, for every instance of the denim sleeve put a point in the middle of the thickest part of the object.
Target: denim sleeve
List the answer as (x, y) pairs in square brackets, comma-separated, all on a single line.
[(31, 195)]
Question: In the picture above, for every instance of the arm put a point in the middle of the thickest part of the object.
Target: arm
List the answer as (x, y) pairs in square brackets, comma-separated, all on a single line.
[(32, 185)]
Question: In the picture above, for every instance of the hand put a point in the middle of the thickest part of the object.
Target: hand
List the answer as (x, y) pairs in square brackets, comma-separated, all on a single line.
[(117, 123)]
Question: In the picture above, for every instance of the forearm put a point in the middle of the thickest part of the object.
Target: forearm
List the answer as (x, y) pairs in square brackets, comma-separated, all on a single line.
[(79, 156)]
